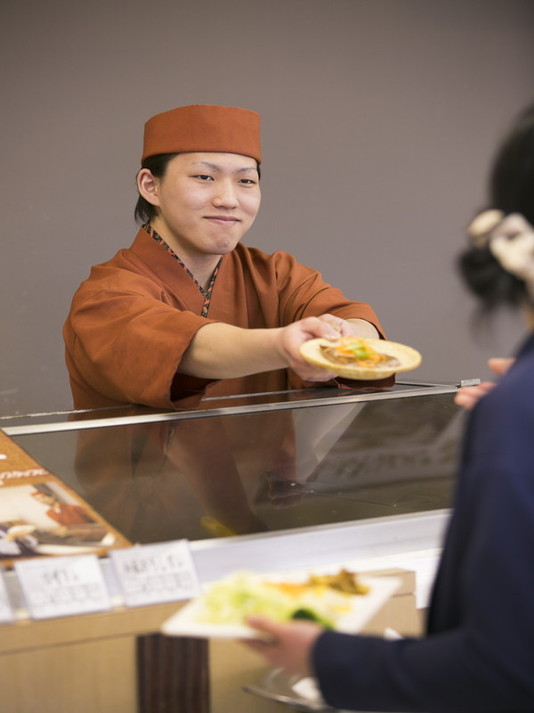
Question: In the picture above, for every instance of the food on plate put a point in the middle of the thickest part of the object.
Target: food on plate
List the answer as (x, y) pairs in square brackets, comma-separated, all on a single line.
[(342, 601), (359, 357), (344, 581), (357, 351), (319, 598)]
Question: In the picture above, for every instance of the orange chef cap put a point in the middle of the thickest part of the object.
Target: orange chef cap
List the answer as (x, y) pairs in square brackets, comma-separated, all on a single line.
[(203, 127)]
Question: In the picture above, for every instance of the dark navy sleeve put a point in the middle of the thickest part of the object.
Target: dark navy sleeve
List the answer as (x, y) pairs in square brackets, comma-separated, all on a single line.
[(478, 654)]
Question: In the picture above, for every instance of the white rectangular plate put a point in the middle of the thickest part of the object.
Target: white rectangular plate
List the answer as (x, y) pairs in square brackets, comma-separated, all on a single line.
[(186, 622)]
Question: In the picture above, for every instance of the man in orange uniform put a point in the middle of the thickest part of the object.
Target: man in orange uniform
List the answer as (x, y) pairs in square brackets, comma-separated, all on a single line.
[(190, 310), (188, 307)]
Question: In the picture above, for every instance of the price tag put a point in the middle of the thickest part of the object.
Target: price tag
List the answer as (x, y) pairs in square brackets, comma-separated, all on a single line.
[(63, 586), (6, 611), (151, 574)]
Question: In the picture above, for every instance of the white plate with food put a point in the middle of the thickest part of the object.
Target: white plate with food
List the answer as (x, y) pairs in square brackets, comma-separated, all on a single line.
[(221, 610), (359, 358)]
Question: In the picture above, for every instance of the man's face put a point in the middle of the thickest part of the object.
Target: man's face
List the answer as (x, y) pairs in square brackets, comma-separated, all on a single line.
[(206, 202)]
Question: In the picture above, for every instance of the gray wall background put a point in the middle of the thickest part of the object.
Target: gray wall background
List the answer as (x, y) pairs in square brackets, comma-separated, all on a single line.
[(379, 117)]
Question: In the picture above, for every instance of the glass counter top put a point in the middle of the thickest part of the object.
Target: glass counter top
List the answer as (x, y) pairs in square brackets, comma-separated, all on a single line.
[(246, 403)]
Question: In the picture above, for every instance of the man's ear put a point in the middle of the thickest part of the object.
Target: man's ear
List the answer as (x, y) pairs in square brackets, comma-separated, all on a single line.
[(147, 186)]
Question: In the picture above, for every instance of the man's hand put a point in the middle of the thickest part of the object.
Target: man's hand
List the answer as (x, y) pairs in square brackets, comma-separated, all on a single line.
[(327, 326), (294, 335), (222, 351)]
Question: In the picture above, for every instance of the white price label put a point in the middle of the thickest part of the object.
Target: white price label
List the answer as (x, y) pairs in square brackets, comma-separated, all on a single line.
[(63, 586), (6, 611), (156, 573)]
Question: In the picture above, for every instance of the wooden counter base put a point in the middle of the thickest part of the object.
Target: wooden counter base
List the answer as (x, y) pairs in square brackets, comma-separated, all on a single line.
[(89, 664)]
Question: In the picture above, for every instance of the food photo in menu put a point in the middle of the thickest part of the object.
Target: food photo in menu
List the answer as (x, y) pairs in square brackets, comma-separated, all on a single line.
[(41, 516)]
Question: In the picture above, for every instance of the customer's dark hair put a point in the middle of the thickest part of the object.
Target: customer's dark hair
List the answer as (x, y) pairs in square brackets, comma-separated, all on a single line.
[(157, 165), (511, 190)]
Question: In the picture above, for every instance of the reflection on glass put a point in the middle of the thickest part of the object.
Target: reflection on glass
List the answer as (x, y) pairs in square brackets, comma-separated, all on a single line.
[(242, 473)]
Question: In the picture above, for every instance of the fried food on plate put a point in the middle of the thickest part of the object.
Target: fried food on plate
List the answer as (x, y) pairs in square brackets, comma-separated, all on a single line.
[(359, 358)]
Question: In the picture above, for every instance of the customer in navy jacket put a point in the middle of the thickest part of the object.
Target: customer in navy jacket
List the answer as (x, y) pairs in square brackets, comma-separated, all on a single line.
[(478, 652)]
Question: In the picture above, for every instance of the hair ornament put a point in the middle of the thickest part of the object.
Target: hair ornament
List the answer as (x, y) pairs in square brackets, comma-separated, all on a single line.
[(479, 230), (511, 242)]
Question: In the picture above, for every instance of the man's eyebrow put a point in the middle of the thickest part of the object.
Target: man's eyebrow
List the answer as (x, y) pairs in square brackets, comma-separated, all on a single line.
[(215, 167)]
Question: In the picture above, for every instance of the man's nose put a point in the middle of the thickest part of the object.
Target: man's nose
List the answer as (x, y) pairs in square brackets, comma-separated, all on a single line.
[(226, 194)]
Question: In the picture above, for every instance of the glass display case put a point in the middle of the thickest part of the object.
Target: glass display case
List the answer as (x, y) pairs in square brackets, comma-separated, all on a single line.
[(268, 482), (254, 464)]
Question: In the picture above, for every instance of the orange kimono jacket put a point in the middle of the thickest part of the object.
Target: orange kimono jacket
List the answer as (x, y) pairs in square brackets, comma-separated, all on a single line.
[(134, 317)]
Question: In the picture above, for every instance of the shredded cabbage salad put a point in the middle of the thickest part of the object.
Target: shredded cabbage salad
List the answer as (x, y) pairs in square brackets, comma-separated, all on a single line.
[(231, 600)]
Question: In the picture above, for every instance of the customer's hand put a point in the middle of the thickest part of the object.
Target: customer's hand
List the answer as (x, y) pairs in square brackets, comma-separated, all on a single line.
[(289, 645), (468, 396)]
